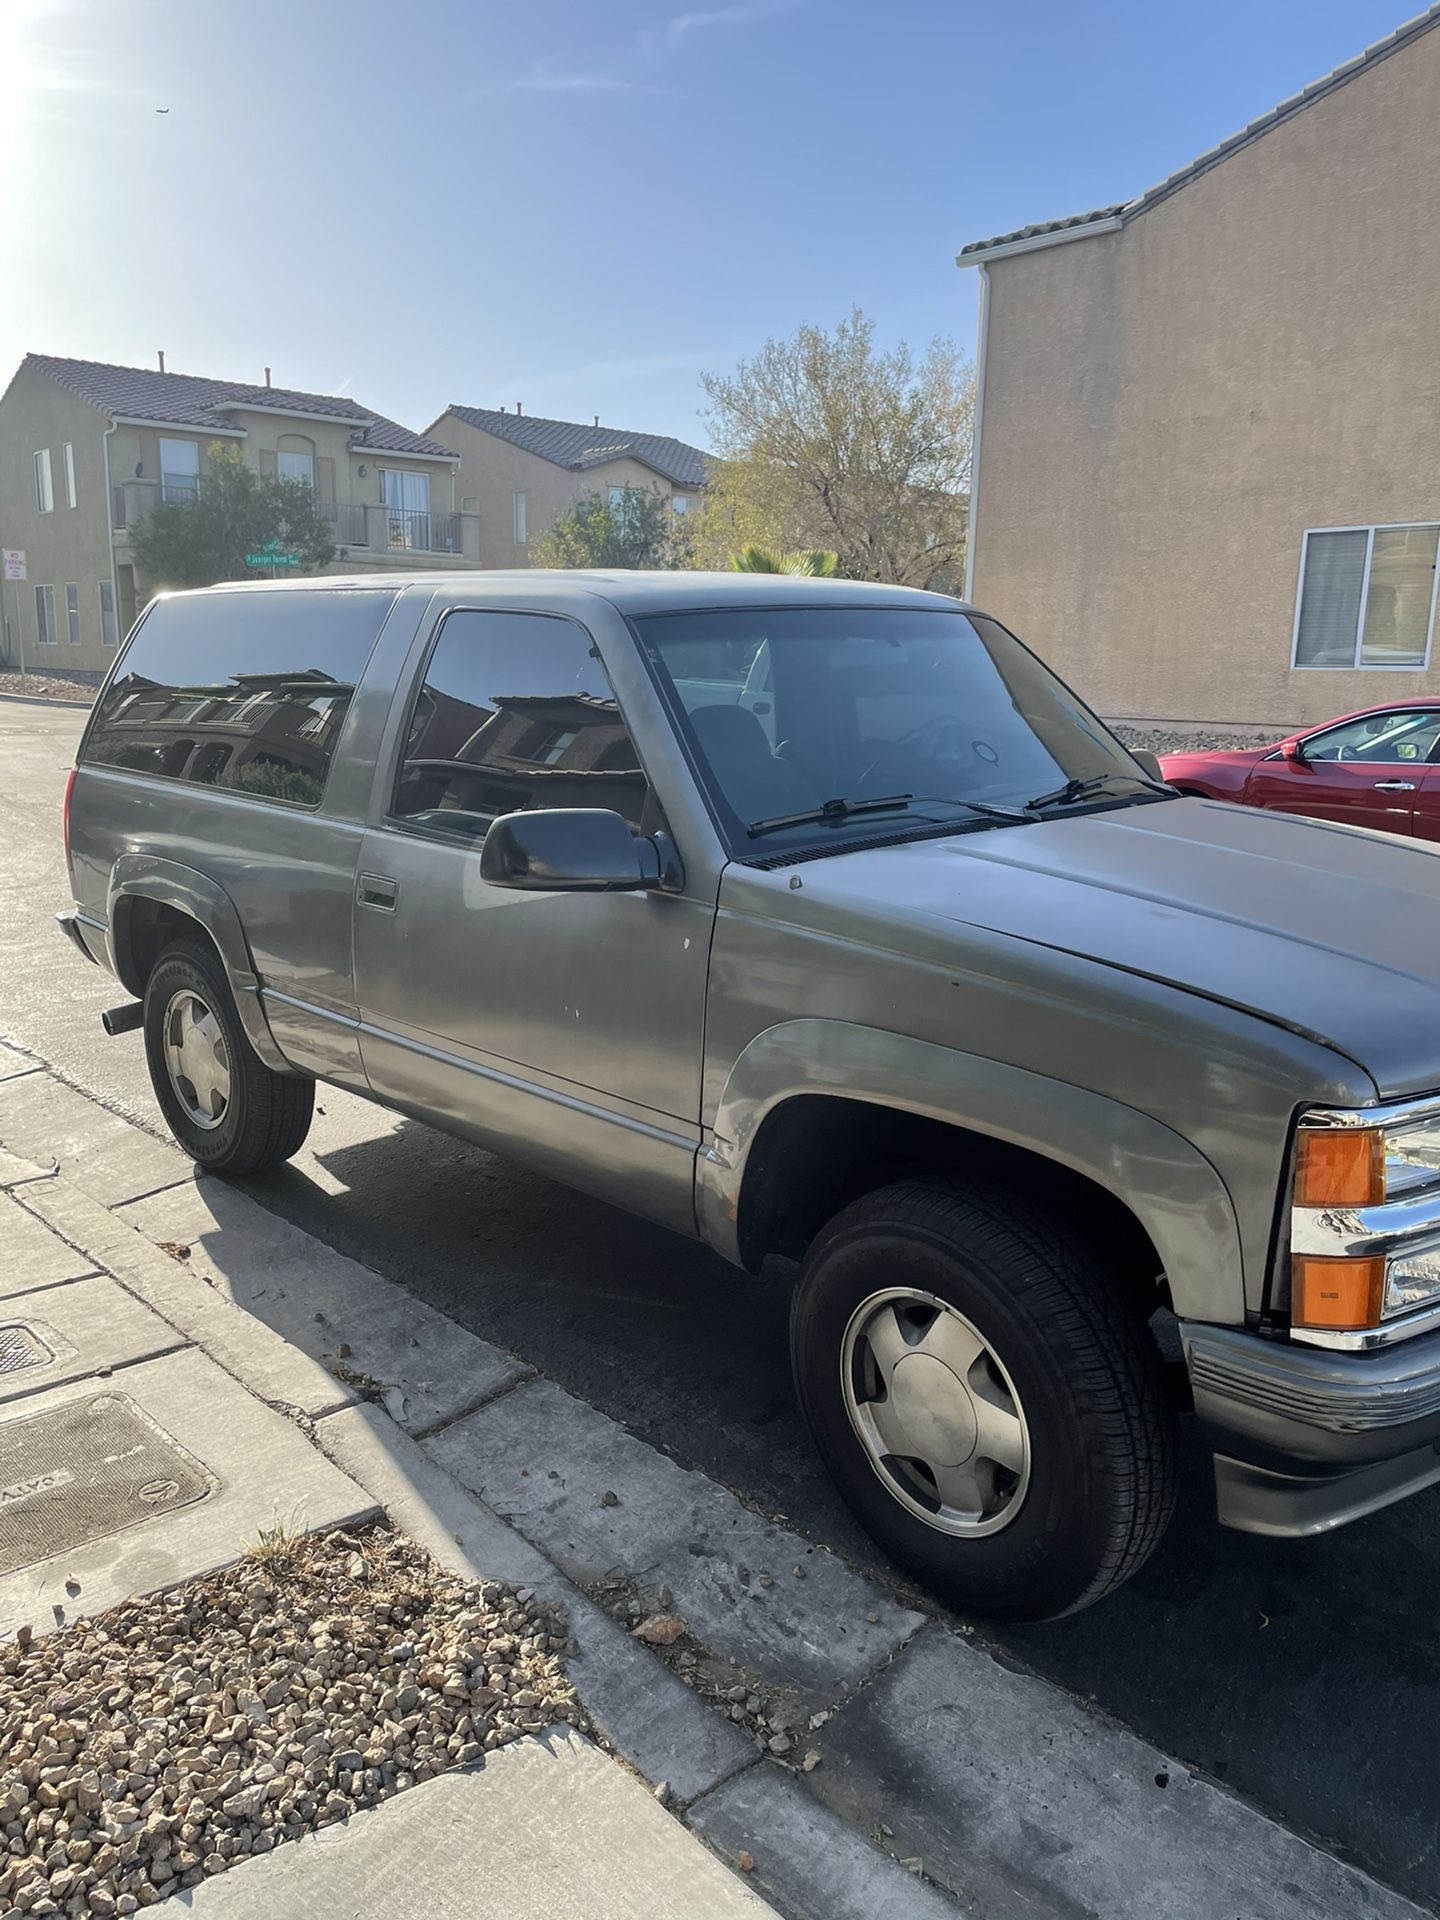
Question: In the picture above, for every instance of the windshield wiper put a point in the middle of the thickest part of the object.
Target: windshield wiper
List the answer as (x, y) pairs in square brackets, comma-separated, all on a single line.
[(831, 810), (1097, 783), (842, 810)]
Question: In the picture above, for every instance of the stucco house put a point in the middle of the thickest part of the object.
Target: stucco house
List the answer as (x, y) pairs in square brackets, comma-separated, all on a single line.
[(1207, 458), (520, 472), (87, 449)]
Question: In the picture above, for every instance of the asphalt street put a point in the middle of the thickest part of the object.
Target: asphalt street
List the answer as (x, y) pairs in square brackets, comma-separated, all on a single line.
[(1305, 1675)]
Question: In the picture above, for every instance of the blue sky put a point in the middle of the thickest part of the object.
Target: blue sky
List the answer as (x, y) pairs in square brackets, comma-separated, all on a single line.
[(579, 207)]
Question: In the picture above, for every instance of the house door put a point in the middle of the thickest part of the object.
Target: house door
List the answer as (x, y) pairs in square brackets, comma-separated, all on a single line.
[(407, 496)]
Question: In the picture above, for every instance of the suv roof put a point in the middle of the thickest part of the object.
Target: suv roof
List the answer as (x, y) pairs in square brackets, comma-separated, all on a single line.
[(629, 591)]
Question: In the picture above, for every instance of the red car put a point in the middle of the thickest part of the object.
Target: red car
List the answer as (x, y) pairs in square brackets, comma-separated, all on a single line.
[(1380, 768)]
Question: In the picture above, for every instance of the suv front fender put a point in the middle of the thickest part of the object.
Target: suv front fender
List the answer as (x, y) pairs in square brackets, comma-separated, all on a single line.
[(169, 883), (1168, 1185)]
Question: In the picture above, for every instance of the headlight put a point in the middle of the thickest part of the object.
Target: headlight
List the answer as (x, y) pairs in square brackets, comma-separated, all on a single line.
[(1365, 1223)]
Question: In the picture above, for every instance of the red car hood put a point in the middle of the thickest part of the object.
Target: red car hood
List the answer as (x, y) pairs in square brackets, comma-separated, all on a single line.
[(1180, 766)]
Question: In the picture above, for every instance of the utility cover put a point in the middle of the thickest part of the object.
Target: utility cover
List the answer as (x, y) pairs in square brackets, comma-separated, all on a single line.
[(21, 1346), (85, 1471)]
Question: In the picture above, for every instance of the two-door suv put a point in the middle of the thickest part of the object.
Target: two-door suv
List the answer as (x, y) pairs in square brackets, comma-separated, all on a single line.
[(819, 920)]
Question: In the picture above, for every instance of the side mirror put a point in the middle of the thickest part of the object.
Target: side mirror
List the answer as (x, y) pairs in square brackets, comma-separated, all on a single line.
[(568, 850), (1149, 761), (1295, 753)]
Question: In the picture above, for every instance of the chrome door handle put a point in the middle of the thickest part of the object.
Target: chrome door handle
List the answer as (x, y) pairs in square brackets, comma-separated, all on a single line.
[(1394, 786), (374, 890)]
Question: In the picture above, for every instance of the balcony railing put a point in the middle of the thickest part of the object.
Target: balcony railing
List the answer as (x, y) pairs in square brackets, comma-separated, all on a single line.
[(347, 521), (415, 530), (365, 526)]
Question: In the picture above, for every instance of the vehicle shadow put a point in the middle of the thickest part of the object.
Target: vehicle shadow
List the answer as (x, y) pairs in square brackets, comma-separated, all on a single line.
[(1305, 1674)]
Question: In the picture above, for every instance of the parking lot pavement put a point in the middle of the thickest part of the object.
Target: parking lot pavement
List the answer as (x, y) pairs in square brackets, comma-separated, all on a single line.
[(1304, 1675)]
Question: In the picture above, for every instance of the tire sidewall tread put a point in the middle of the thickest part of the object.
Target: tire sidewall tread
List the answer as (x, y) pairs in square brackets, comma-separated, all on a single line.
[(1086, 1370), (269, 1113)]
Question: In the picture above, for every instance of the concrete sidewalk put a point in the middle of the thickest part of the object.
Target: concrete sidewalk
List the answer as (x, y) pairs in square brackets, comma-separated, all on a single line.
[(855, 1757)]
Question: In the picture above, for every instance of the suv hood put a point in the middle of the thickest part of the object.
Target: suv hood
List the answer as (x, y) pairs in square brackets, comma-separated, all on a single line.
[(1333, 932)]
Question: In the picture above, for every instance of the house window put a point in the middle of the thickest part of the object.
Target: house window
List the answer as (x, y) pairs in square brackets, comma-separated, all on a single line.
[(44, 491), (179, 470), (296, 466), (45, 616), (680, 504), (69, 474), (517, 509), (72, 614), (109, 636), (1367, 596)]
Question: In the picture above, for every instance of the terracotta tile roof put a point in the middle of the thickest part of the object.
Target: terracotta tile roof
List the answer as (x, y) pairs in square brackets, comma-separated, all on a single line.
[(188, 400), (578, 448), (1127, 210)]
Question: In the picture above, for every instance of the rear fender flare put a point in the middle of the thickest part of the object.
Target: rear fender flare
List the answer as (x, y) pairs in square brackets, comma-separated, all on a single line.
[(169, 883)]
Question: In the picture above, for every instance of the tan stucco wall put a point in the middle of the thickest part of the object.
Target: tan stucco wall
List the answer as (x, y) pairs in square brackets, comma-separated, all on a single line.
[(1168, 407), (69, 547), (492, 471)]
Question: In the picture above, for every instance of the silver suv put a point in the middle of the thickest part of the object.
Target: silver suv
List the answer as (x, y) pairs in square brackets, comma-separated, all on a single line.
[(822, 921)]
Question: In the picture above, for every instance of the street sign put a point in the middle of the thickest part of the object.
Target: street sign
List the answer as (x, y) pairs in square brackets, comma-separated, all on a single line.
[(14, 563), (272, 554)]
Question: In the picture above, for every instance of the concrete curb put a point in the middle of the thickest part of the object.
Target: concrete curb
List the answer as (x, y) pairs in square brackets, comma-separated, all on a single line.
[(1012, 1796), (42, 700)]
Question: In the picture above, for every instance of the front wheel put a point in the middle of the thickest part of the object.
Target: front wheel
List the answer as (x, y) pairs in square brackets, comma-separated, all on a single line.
[(221, 1102), (987, 1405)]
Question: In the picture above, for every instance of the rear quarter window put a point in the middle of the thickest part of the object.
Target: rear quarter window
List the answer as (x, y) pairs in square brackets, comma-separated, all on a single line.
[(244, 691)]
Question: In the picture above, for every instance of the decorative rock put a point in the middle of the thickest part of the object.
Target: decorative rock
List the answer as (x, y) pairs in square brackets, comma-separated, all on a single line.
[(153, 1749)]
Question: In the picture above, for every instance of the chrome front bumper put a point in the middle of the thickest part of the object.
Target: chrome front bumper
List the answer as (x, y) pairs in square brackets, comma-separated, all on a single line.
[(1304, 1438)]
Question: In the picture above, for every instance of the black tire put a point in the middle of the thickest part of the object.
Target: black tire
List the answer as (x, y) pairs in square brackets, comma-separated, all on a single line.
[(267, 1115), (1084, 1370)]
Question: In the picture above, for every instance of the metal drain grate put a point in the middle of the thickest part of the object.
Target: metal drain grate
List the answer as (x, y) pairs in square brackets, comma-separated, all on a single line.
[(84, 1471), (21, 1347)]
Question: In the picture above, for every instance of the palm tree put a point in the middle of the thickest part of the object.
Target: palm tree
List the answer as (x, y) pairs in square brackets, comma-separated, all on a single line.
[(814, 564)]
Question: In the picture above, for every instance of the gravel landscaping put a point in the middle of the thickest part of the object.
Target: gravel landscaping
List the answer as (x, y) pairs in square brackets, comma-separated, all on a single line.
[(162, 1742), (46, 686), (1193, 739)]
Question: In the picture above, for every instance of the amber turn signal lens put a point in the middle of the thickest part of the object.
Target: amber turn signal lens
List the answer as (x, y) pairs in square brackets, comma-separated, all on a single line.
[(1343, 1295), (1339, 1167)]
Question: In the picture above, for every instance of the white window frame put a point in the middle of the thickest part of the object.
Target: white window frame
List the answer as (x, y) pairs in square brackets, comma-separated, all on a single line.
[(45, 599), (1356, 664), (112, 638), (680, 504), (72, 615), (44, 482), (69, 474), (519, 522)]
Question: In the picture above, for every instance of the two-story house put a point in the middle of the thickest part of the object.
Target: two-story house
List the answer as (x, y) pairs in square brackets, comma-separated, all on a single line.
[(1207, 445), (86, 450), (521, 473)]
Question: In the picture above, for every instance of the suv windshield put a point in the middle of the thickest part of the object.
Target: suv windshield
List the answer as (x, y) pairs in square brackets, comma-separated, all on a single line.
[(814, 711)]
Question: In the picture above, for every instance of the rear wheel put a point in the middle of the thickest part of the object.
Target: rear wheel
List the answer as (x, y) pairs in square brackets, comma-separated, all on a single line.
[(988, 1406), (221, 1102)]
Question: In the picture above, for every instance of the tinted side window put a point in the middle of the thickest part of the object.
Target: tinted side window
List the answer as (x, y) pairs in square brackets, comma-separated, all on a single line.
[(1407, 733), (246, 691), (515, 712)]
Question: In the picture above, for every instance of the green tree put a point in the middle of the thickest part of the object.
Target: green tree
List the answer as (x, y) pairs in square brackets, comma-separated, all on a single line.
[(195, 542), (826, 442), (640, 530), (815, 564)]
